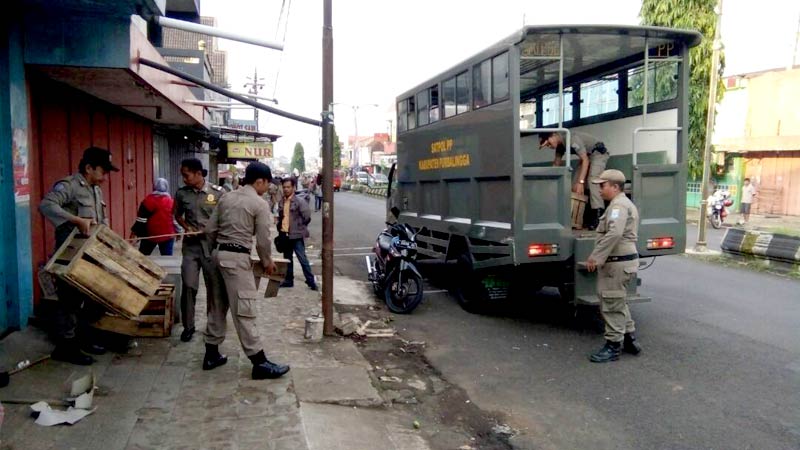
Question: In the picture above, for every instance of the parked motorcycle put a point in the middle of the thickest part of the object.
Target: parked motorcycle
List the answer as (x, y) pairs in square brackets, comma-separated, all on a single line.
[(392, 270), (718, 204)]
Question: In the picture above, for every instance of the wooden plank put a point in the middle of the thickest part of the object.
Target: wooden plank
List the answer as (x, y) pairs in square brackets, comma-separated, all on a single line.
[(116, 265), (128, 327), (124, 249), (107, 304), (108, 287)]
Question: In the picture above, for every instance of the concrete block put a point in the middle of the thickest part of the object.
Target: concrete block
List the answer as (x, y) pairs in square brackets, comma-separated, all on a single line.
[(349, 385)]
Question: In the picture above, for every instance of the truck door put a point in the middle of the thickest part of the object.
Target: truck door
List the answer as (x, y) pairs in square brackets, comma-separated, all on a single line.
[(659, 192)]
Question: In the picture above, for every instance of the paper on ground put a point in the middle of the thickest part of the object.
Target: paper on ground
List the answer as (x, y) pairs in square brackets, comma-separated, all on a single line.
[(49, 417)]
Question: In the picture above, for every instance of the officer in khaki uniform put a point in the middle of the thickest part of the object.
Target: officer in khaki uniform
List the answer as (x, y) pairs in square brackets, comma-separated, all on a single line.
[(240, 215), (194, 204), (617, 258), (77, 202)]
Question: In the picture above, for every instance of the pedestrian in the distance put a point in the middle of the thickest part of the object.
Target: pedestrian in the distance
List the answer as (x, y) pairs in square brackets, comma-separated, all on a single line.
[(294, 215), (616, 259), (154, 222), (318, 193), (240, 215), (748, 192)]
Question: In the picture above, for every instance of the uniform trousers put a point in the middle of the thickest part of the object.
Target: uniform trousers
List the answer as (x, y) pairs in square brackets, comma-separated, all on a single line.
[(613, 280), (238, 293), (195, 257)]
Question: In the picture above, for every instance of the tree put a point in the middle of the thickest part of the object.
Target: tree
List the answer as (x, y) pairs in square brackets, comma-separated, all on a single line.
[(337, 151), (299, 158), (696, 15)]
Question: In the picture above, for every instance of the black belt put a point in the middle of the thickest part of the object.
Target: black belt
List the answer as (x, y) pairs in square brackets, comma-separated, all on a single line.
[(235, 248), (622, 258)]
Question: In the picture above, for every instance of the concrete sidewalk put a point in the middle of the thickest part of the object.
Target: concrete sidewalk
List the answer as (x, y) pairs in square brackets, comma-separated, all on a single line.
[(157, 396)]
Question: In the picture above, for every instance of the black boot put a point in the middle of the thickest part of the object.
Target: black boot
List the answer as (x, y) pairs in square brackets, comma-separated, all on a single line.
[(213, 358), (629, 344), (94, 349), (609, 352), (187, 334), (69, 351), (264, 369)]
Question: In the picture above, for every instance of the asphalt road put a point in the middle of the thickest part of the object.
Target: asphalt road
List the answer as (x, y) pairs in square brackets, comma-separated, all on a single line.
[(720, 368)]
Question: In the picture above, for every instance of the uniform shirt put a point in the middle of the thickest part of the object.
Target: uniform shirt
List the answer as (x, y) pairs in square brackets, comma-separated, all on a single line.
[(196, 206), (581, 144), (748, 192), (240, 215), (618, 229), (72, 196)]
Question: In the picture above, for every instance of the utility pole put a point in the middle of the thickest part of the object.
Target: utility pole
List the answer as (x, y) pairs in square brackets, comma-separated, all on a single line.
[(327, 169), (701, 245), (255, 86)]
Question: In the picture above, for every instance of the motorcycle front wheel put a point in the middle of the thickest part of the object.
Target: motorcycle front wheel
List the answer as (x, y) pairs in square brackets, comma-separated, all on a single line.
[(716, 221), (403, 292)]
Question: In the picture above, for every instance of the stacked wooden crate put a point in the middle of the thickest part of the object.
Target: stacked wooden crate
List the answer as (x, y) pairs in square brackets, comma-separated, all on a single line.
[(113, 273), (155, 320)]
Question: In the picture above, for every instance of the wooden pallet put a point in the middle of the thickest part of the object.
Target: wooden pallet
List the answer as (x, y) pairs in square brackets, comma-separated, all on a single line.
[(578, 204), (107, 269), (154, 321)]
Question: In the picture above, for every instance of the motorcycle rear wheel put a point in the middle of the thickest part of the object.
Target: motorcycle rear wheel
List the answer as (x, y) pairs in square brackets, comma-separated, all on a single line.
[(403, 298)]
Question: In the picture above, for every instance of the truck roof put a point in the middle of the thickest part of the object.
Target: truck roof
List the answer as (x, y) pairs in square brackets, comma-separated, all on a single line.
[(621, 41)]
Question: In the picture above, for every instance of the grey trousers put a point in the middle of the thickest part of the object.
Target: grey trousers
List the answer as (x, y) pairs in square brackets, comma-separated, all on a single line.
[(238, 293), (195, 257)]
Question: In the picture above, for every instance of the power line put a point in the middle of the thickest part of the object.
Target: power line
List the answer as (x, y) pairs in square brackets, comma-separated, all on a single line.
[(283, 40)]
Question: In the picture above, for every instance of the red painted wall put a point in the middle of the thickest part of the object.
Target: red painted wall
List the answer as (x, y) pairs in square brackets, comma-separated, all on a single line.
[(64, 122)]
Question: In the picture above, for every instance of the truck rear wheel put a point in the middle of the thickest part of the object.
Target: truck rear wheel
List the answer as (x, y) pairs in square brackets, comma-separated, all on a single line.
[(467, 289)]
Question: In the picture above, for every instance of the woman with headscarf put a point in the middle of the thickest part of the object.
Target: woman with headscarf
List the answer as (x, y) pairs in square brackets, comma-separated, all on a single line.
[(155, 220)]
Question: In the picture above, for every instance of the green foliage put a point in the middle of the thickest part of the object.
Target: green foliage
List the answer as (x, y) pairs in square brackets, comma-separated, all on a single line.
[(337, 151), (695, 15), (299, 158)]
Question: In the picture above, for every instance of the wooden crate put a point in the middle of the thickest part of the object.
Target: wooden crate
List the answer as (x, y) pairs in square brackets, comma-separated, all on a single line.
[(155, 320), (107, 269), (578, 205)]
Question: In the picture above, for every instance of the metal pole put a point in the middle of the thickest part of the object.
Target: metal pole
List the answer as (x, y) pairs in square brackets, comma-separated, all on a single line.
[(238, 97), (166, 22), (702, 245), (327, 169)]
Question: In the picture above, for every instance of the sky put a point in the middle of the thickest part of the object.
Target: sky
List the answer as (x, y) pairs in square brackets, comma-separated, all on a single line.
[(385, 47)]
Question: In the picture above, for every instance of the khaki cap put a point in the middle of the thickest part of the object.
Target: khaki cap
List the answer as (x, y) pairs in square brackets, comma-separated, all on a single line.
[(610, 175)]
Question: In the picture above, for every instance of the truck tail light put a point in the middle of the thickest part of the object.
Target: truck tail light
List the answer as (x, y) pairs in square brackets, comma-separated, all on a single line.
[(542, 249), (660, 243)]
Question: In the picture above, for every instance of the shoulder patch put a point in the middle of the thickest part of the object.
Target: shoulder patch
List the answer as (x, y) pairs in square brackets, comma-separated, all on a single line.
[(615, 214), (61, 186)]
